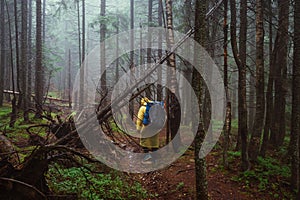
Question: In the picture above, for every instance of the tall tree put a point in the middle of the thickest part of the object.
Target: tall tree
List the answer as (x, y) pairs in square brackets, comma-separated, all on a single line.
[(200, 165), (17, 49), (149, 50), (269, 93), (173, 104), (24, 59), (295, 126), (239, 58), (2, 47), (117, 48), (79, 32), (13, 115), (102, 48), (30, 57), (44, 21), (131, 106), (81, 90), (227, 125), (160, 23), (38, 63), (260, 95), (281, 54)]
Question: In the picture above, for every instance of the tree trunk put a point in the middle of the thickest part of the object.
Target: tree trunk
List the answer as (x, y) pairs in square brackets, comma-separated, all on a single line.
[(102, 49), (13, 115), (251, 76), (44, 21), (38, 65), (227, 126), (117, 49), (69, 80), (174, 106), (200, 164), (82, 80), (260, 96), (149, 50), (131, 106), (30, 57), (17, 51), (24, 60), (295, 125), (278, 132), (2, 46), (79, 32), (160, 53), (269, 93), (242, 104)]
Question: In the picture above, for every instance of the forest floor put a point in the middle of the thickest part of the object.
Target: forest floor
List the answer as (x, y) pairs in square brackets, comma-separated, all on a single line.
[(268, 180), (178, 181)]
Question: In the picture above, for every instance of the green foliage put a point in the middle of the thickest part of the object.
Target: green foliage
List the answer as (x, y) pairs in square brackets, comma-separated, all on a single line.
[(268, 169), (115, 127), (233, 155), (180, 185), (234, 124), (4, 116), (269, 166), (18, 133), (89, 185)]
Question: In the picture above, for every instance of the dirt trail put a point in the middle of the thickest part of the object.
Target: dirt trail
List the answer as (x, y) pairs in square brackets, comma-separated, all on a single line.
[(178, 181)]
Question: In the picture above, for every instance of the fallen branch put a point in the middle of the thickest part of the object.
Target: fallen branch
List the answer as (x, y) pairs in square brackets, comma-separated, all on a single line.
[(29, 195)]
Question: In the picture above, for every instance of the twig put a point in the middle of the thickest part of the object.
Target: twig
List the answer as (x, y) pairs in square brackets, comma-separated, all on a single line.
[(24, 184)]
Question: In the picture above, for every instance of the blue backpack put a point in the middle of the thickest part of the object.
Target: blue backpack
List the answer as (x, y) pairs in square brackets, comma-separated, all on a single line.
[(155, 114)]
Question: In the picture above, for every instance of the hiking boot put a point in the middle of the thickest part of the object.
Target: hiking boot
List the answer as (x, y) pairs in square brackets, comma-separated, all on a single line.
[(147, 159)]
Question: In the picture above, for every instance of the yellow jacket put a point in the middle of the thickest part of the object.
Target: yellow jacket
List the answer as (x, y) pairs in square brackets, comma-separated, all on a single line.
[(150, 142), (142, 110)]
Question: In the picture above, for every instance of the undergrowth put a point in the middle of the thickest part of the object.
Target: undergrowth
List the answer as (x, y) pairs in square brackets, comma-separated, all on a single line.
[(268, 175), (87, 185)]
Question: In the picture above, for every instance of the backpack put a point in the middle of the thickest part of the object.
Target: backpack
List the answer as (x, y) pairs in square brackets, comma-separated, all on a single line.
[(155, 114)]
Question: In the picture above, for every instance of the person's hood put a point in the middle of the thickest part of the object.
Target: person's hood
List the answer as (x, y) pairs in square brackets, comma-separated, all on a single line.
[(144, 101)]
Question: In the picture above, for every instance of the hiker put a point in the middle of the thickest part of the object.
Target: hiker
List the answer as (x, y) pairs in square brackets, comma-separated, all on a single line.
[(144, 126)]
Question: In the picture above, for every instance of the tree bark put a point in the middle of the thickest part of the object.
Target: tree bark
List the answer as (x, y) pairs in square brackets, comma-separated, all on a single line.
[(82, 74), (117, 49), (260, 96), (30, 57), (17, 51), (200, 164), (102, 49), (38, 65), (174, 106), (2, 46), (227, 126), (13, 115), (160, 53), (242, 104), (295, 125), (149, 43), (131, 106), (269, 93), (24, 60), (278, 131), (69, 80)]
